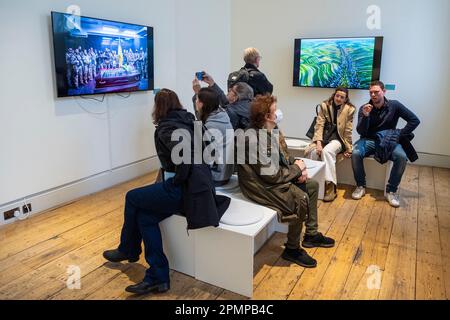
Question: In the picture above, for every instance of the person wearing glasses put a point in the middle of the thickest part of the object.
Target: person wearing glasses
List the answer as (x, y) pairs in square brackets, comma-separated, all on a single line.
[(236, 102), (377, 122), (240, 96), (335, 114)]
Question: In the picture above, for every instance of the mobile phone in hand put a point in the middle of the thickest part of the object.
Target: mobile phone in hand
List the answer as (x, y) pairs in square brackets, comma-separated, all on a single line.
[(200, 75)]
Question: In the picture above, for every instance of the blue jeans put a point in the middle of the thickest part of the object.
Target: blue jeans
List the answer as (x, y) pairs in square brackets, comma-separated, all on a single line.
[(145, 208), (366, 147)]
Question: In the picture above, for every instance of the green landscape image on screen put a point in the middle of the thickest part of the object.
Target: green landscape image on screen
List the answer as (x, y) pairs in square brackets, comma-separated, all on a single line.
[(336, 62)]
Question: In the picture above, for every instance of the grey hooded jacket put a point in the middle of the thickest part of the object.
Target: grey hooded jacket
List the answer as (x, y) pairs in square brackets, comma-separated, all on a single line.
[(222, 142)]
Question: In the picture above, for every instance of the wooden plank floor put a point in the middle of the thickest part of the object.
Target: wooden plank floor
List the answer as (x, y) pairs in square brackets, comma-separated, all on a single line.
[(380, 252)]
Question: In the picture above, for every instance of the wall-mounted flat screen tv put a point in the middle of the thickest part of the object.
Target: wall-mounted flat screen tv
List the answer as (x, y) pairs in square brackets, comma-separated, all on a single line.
[(333, 62), (96, 56)]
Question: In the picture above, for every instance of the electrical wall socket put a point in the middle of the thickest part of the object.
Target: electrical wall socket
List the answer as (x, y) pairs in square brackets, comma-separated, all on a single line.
[(26, 208), (10, 213)]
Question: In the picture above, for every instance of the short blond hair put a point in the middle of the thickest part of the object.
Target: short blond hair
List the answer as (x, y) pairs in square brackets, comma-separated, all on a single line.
[(250, 55)]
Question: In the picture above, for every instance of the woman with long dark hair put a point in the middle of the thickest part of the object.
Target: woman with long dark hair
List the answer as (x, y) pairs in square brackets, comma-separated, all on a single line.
[(335, 114), (147, 206), (219, 133)]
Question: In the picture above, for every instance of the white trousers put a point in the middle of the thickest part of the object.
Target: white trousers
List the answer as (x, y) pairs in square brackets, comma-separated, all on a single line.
[(329, 153)]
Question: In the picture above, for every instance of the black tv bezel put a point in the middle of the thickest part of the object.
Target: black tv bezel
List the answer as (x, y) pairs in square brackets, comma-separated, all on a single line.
[(151, 80), (376, 66)]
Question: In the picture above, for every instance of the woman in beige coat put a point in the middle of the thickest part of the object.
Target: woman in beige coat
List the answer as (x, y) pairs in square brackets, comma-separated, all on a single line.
[(336, 113)]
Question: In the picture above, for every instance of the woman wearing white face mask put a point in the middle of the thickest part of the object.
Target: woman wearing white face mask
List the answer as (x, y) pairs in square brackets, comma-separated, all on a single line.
[(286, 188), (279, 116), (335, 113)]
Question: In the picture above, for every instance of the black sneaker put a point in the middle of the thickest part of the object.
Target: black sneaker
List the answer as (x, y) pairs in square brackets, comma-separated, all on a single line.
[(318, 240), (300, 257), (117, 256)]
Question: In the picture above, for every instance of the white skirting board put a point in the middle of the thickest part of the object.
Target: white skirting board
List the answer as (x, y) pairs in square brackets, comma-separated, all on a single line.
[(433, 160), (64, 194)]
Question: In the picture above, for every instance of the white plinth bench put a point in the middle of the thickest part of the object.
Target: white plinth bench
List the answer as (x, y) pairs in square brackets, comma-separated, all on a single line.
[(178, 245), (224, 255), (296, 146), (377, 175), (221, 256), (316, 171)]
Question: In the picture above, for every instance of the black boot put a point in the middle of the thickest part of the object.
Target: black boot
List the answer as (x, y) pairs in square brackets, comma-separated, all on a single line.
[(117, 256), (145, 287), (300, 257)]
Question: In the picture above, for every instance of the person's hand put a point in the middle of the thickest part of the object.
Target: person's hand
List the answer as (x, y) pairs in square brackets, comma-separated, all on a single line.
[(208, 79), (301, 164), (303, 177), (196, 85), (319, 148), (347, 154), (366, 109)]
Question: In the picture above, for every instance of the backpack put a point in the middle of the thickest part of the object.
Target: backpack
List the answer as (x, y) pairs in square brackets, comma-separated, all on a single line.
[(241, 75)]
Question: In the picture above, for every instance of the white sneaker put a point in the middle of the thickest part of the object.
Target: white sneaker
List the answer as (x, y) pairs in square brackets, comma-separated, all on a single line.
[(358, 193), (393, 199)]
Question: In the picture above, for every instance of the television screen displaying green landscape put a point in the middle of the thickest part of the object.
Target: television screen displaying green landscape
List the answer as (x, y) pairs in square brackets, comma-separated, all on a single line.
[(330, 63)]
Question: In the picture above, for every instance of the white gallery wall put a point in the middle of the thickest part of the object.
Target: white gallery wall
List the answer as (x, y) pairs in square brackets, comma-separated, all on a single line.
[(203, 43), (415, 57), (48, 142)]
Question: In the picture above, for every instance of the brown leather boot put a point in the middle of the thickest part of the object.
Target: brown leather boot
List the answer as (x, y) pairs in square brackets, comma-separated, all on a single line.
[(330, 191)]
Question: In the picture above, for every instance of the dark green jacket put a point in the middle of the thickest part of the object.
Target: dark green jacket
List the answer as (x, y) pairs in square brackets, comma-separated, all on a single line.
[(276, 191)]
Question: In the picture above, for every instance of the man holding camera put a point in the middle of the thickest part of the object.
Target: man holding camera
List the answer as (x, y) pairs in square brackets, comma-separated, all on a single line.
[(377, 122)]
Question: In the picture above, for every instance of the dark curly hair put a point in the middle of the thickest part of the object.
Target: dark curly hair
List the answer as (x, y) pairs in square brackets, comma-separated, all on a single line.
[(259, 108)]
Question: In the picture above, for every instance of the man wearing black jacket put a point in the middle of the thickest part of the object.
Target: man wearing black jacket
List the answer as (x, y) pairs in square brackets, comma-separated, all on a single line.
[(376, 119), (257, 80)]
